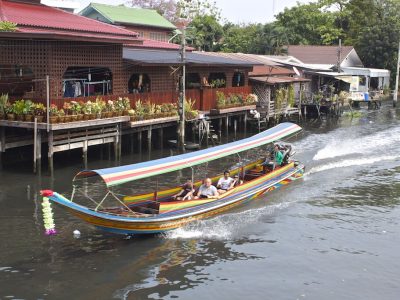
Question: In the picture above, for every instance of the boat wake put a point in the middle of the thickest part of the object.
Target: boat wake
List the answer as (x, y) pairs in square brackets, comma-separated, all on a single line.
[(224, 227), (351, 163), (362, 145)]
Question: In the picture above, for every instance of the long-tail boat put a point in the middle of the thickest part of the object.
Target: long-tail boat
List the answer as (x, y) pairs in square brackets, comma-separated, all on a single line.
[(156, 212)]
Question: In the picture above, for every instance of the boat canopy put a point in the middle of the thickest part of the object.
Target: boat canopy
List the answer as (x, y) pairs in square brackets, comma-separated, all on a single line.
[(119, 175)]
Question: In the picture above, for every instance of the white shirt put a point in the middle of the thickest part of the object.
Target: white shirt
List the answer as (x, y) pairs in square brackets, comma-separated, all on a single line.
[(225, 184)]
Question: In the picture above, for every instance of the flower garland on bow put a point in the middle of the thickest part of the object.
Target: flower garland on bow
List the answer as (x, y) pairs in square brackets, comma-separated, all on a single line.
[(48, 219)]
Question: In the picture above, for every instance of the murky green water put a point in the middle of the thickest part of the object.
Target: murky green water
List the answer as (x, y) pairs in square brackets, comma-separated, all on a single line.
[(333, 235)]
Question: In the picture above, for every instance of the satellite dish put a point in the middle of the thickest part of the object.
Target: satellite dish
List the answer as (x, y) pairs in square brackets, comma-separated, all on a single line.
[(296, 71)]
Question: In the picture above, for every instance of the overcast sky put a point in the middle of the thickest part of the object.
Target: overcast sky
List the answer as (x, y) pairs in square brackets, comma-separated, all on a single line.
[(248, 11)]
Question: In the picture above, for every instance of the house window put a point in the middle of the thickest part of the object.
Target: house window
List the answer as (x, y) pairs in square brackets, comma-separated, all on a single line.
[(141, 34), (158, 36)]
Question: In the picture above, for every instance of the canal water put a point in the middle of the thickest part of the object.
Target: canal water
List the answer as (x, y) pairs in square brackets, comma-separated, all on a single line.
[(333, 235)]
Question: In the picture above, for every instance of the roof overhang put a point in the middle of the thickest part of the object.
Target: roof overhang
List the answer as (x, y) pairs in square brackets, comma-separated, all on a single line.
[(271, 80), (173, 58)]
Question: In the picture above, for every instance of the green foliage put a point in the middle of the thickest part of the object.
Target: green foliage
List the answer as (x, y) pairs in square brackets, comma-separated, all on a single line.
[(3, 103), (218, 83), (221, 99), (19, 107), (139, 108), (8, 26), (291, 100), (280, 97), (205, 33)]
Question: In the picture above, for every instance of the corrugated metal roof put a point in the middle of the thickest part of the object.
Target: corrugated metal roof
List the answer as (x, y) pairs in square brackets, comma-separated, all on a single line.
[(271, 80), (43, 17), (128, 15), (163, 57), (324, 55), (256, 59)]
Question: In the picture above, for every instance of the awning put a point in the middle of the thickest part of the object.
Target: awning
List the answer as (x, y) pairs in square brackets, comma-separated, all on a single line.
[(272, 80), (173, 58), (119, 175)]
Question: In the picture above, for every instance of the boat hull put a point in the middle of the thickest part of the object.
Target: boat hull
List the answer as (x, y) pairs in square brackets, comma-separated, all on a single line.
[(175, 219)]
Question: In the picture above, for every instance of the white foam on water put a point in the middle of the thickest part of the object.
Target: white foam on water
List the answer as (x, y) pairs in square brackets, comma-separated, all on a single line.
[(351, 162), (223, 227), (342, 146)]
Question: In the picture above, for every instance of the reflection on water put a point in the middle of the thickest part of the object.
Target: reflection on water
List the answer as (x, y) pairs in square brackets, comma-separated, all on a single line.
[(332, 235)]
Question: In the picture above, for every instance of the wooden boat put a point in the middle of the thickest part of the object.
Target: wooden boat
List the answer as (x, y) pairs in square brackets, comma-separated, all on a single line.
[(155, 212)]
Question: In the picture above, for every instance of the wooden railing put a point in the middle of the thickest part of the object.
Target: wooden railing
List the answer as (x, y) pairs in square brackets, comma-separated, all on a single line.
[(205, 99)]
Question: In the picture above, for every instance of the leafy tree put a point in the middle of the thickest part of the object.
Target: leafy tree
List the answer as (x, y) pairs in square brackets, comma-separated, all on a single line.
[(308, 24), (205, 33)]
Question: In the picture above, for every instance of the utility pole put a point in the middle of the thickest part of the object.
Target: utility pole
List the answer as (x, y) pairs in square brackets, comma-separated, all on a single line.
[(182, 92), (396, 87), (339, 56)]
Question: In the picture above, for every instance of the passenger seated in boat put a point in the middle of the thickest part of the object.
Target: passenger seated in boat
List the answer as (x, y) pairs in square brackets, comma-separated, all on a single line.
[(236, 181), (207, 190), (186, 193), (224, 183), (278, 156)]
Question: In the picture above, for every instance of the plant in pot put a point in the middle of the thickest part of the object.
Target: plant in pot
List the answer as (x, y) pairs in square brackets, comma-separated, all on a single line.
[(61, 116), (127, 105), (173, 109), (9, 110), (39, 111), (101, 106), (19, 108), (76, 110), (132, 115), (67, 107), (119, 106), (158, 111), (3, 105), (251, 99), (28, 110), (189, 110), (53, 118), (87, 110), (110, 108), (139, 110), (221, 99), (96, 110), (149, 110)]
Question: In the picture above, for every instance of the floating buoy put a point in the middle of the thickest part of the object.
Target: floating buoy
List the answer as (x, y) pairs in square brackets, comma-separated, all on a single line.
[(77, 233)]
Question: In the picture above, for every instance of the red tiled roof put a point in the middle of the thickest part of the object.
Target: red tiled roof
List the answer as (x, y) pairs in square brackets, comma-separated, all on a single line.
[(153, 44), (309, 54), (27, 15)]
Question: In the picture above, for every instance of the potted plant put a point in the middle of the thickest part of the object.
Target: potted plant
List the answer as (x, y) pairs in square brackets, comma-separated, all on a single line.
[(149, 110), (140, 111), (110, 108), (189, 110), (119, 106), (9, 110), (39, 111), (127, 105), (96, 110), (87, 110), (221, 99), (19, 108), (76, 110), (61, 116), (132, 115), (67, 107), (53, 118), (3, 105)]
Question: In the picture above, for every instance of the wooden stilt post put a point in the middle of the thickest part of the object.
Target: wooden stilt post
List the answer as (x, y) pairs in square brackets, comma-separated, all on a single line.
[(245, 123), (85, 155), (131, 142), (220, 128), (227, 125), (161, 138), (140, 141), (39, 151), (2, 144), (35, 131), (149, 131), (235, 126), (50, 151)]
